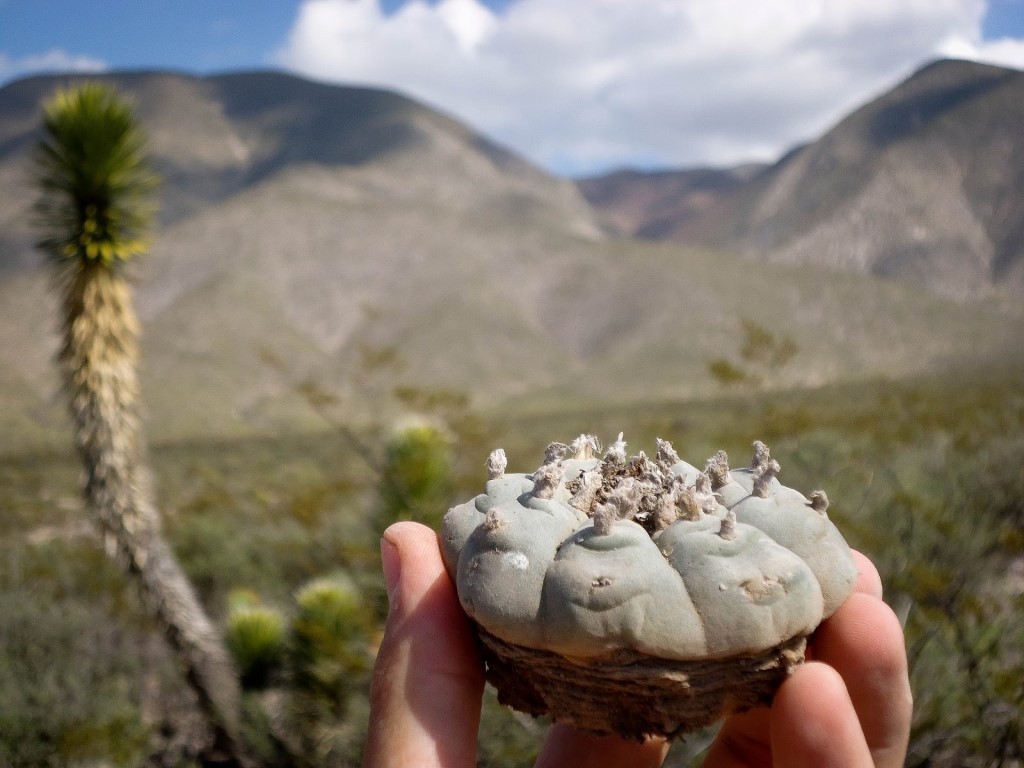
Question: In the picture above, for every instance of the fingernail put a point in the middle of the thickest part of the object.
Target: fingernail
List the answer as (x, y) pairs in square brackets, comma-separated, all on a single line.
[(391, 562)]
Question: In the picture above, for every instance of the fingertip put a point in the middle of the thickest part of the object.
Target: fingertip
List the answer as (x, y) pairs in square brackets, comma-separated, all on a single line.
[(410, 554), (407, 534), (814, 723), (809, 685), (868, 580)]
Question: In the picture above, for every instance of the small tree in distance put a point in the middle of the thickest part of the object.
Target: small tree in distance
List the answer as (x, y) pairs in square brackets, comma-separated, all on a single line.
[(761, 351)]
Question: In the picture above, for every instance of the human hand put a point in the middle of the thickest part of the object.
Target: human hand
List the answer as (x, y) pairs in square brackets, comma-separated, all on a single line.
[(850, 706)]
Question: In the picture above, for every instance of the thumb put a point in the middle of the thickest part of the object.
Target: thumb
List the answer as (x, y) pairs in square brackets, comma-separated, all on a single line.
[(428, 678)]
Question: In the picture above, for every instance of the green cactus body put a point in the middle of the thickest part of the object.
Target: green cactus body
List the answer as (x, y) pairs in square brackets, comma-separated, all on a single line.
[(607, 591), (588, 556)]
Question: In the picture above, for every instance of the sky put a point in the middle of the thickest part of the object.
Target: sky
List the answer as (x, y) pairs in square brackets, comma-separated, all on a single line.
[(579, 87)]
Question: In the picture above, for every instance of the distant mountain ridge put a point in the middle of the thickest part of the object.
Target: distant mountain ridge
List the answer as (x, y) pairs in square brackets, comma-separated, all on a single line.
[(215, 136), (666, 205), (355, 238), (925, 183)]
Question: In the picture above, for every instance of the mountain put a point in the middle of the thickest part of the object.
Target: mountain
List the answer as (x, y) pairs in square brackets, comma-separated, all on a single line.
[(679, 205), (925, 183), (211, 138), (357, 239)]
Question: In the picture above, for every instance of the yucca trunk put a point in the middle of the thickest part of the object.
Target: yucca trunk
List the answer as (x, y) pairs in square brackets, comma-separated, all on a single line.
[(99, 362)]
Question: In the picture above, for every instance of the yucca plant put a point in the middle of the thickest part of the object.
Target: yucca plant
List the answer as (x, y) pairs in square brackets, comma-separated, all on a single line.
[(94, 215)]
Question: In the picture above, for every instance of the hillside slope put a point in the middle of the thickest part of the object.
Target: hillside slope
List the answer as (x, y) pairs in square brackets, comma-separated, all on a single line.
[(359, 240)]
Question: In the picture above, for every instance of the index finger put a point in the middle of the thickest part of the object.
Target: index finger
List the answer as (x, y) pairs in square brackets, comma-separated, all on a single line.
[(428, 678)]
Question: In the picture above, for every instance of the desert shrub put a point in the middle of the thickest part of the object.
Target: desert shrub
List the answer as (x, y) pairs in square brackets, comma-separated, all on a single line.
[(416, 481), (728, 373), (268, 552), (329, 635), (329, 670), (67, 685), (762, 347), (952, 576), (257, 638), (218, 554), (761, 353)]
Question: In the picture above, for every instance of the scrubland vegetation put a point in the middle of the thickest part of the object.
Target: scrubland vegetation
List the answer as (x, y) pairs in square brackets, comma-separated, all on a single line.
[(279, 536)]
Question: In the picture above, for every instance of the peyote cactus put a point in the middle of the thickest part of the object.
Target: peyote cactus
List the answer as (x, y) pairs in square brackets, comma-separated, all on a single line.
[(643, 596)]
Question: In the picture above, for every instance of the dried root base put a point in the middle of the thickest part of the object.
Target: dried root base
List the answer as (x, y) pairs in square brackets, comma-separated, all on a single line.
[(633, 695)]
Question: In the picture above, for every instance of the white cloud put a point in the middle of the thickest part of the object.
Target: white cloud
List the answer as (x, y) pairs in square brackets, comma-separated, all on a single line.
[(470, 23), (54, 60), (583, 85), (1004, 52)]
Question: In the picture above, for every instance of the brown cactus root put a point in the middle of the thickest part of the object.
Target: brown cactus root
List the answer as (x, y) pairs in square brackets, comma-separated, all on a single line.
[(633, 695)]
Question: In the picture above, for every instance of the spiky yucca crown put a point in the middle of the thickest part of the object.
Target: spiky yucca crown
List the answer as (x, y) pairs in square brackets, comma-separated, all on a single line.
[(96, 205)]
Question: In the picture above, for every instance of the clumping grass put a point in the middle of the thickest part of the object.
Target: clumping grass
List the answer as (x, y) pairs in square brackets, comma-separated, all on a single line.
[(924, 477)]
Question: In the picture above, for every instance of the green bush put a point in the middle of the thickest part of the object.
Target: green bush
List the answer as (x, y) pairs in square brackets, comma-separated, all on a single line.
[(416, 481), (329, 672), (329, 641), (68, 692), (257, 638), (950, 574), (729, 374)]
